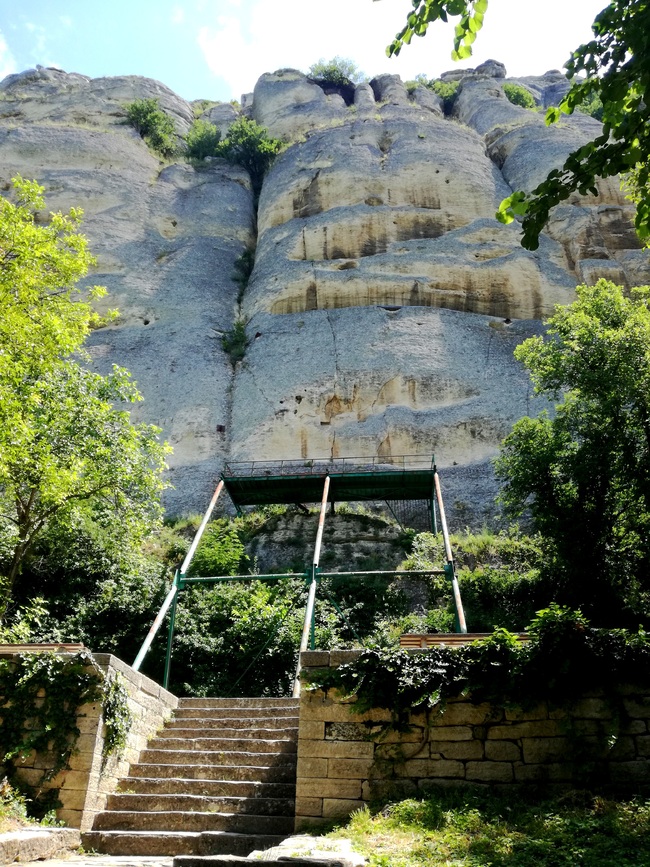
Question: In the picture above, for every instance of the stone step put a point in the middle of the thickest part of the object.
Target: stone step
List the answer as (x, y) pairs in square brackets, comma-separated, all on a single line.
[(246, 703), (224, 743), (170, 843), (239, 728), (132, 803), (247, 770), (234, 713), (238, 861), (175, 820), (219, 757), (213, 788)]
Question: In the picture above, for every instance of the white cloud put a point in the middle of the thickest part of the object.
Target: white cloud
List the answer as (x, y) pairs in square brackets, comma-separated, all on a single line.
[(256, 36), (7, 62), (66, 20), (178, 15)]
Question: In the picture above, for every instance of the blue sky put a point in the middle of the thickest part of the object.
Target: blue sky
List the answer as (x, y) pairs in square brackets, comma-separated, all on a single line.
[(216, 49)]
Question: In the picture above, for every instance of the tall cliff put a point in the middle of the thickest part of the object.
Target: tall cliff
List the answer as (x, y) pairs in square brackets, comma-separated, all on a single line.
[(385, 301)]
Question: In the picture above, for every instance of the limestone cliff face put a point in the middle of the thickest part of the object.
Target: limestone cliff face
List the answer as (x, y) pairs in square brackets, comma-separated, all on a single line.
[(385, 301)]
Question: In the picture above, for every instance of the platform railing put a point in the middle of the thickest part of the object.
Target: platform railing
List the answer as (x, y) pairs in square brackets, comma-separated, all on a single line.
[(327, 466)]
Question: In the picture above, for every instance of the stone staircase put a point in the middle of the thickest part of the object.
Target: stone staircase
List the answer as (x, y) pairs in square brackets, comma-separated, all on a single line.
[(220, 778)]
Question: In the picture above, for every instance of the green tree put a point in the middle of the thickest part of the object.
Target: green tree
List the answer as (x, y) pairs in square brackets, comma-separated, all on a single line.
[(338, 70), (69, 444), (42, 316), (584, 474), (154, 125), (248, 144), (616, 66), (62, 442)]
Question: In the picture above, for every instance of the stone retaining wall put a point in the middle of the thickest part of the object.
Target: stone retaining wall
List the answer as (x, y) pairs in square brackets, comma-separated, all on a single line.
[(85, 786), (345, 759)]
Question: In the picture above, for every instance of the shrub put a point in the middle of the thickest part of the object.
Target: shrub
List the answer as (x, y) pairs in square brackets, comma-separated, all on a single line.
[(518, 95), (154, 125), (446, 90), (337, 71), (220, 551), (249, 145), (234, 341), (202, 140)]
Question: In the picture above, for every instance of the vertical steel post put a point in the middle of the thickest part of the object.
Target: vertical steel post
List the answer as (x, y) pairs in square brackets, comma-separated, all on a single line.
[(461, 626), (170, 635), (308, 625), (434, 520)]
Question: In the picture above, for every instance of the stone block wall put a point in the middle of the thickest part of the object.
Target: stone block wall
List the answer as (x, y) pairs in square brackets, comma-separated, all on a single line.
[(86, 784), (347, 759)]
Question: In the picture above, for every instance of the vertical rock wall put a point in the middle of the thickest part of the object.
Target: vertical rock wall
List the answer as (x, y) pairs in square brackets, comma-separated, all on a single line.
[(385, 301)]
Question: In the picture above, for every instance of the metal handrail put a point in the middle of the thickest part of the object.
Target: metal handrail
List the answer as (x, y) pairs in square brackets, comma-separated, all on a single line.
[(327, 466), (308, 625), (171, 597)]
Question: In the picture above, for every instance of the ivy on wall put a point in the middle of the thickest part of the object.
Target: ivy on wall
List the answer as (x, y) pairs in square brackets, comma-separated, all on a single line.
[(40, 697), (563, 659)]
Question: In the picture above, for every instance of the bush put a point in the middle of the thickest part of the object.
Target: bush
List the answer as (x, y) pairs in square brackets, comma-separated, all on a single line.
[(518, 95), (154, 125), (202, 140), (234, 341), (249, 145), (337, 71), (593, 106), (220, 552), (446, 90), (501, 577)]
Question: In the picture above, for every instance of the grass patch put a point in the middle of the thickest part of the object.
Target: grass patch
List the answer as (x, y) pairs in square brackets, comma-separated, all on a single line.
[(463, 829)]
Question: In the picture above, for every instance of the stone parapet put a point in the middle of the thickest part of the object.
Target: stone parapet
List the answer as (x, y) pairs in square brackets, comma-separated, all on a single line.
[(346, 759), (84, 786)]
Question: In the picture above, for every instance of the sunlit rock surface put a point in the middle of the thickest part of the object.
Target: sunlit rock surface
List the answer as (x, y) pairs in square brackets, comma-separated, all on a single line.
[(385, 301)]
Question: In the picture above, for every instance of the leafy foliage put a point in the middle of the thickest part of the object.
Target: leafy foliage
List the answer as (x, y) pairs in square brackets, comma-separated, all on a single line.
[(221, 551), (42, 316), (62, 442), (337, 71), (564, 658), (471, 14), (613, 67), (584, 475), (69, 444), (446, 90), (616, 63), (500, 578), (519, 95), (202, 140), (234, 342), (249, 145), (40, 695), (154, 125)]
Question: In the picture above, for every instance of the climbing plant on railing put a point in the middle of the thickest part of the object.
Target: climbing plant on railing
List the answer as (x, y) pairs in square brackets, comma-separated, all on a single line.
[(563, 659), (40, 698)]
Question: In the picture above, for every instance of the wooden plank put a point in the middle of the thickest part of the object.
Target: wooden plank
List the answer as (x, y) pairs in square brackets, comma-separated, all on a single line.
[(447, 639), (58, 647)]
